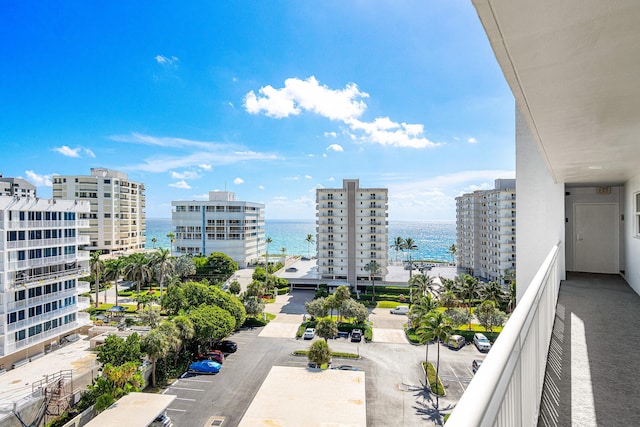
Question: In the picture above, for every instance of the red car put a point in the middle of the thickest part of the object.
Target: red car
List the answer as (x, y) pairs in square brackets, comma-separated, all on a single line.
[(215, 355)]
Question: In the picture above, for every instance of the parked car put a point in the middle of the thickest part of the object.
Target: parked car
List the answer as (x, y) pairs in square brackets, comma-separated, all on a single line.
[(481, 342), (356, 335), (204, 367), (401, 309), (215, 355), (456, 341), (291, 270), (345, 368), (226, 346), (475, 365), (309, 333), (161, 421)]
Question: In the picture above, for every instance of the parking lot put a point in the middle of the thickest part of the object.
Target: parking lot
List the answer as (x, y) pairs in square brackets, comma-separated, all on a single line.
[(394, 380)]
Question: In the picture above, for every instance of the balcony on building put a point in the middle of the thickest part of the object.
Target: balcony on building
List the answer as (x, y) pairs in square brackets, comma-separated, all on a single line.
[(567, 356)]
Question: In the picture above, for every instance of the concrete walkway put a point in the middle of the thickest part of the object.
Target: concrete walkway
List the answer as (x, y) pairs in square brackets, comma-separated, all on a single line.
[(592, 376)]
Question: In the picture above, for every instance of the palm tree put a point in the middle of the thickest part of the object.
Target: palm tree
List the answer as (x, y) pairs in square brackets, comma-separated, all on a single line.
[(156, 345), (398, 245), (438, 326), (284, 251), (266, 267), (511, 296), (469, 288), (374, 269), (96, 266), (410, 245), (423, 306), (172, 237), (154, 241), (493, 291), (137, 270), (452, 251), (162, 261), (113, 272), (425, 336), (309, 241), (448, 299), (185, 332), (420, 284)]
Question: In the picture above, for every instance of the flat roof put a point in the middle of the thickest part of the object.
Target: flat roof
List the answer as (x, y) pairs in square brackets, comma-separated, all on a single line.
[(133, 410), (293, 397)]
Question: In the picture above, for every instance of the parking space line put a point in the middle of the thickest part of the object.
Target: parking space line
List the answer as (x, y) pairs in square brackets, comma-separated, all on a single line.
[(184, 398), (458, 379), (194, 381), (188, 389), (177, 410)]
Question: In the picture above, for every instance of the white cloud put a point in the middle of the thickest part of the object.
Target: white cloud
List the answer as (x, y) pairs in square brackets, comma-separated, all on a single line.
[(181, 153), (38, 180), (307, 95), (291, 178), (238, 181), (167, 60), (335, 147), (384, 131), (472, 140), (185, 175), (181, 184), (308, 177), (346, 105), (260, 187), (68, 151), (89, 152), (324, 155), (204, 196), (205, 167), (332, 179)]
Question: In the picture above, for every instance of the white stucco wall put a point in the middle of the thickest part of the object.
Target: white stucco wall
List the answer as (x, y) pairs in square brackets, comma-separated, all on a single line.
[(540, 212), (631, 242)]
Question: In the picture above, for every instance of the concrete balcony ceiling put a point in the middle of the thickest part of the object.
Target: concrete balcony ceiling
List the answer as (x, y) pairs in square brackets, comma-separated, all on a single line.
[(573, 67)]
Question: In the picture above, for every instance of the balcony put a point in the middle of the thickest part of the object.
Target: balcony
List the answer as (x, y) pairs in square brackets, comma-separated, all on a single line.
[(569, 363)]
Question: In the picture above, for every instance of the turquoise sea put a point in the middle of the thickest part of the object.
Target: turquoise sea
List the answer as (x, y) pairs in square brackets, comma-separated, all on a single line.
[(432, 238)]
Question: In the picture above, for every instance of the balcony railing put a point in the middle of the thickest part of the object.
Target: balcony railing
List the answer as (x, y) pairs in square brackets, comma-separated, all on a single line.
[(507, 390)]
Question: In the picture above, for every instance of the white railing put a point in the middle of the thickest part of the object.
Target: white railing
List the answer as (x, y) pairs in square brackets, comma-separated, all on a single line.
[(507, 390)]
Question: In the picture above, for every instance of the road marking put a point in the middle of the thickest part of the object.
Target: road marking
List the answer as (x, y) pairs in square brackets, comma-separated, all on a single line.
[(188, 389), (457, 378), (177, 410), (195, 381), (184, 398)]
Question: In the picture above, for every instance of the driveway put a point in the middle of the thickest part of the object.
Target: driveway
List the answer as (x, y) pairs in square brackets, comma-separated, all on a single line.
[(387, 327), (289, 310)]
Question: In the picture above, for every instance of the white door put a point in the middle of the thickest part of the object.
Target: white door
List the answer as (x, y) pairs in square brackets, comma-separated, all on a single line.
[(596, 235)]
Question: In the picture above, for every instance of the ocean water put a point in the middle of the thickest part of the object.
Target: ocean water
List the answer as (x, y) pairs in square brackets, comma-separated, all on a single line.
[(432, 238)]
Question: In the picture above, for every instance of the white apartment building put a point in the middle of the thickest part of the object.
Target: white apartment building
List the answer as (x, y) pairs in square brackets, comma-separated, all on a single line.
[(486, 231), (40, 263), (573, 70), (16, 187), (220, 224), (117, 219), (352, 231)]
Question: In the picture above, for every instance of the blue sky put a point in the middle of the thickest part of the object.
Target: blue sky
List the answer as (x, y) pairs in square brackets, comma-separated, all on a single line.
[(268, 99)]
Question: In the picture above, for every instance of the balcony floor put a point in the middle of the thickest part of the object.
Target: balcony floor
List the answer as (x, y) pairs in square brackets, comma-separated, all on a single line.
[(592, 376)]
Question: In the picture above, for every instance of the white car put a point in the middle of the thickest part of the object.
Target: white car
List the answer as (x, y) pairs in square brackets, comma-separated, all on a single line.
[(481, 342), (401, 309), (309, 333)]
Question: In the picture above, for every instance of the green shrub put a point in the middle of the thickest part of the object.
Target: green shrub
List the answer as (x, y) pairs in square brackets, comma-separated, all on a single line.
[(283, 291)]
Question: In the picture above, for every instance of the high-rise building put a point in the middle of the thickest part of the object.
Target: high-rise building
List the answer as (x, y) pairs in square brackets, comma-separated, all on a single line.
[(16, 187), (486, 231), (117, 218), (40, 263), (351, 232), (220, 224)]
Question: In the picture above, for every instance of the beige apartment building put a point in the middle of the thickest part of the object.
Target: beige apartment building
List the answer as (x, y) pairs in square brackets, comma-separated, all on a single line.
[(220, 224), (352, 231), (117, 217), (486, 231)]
